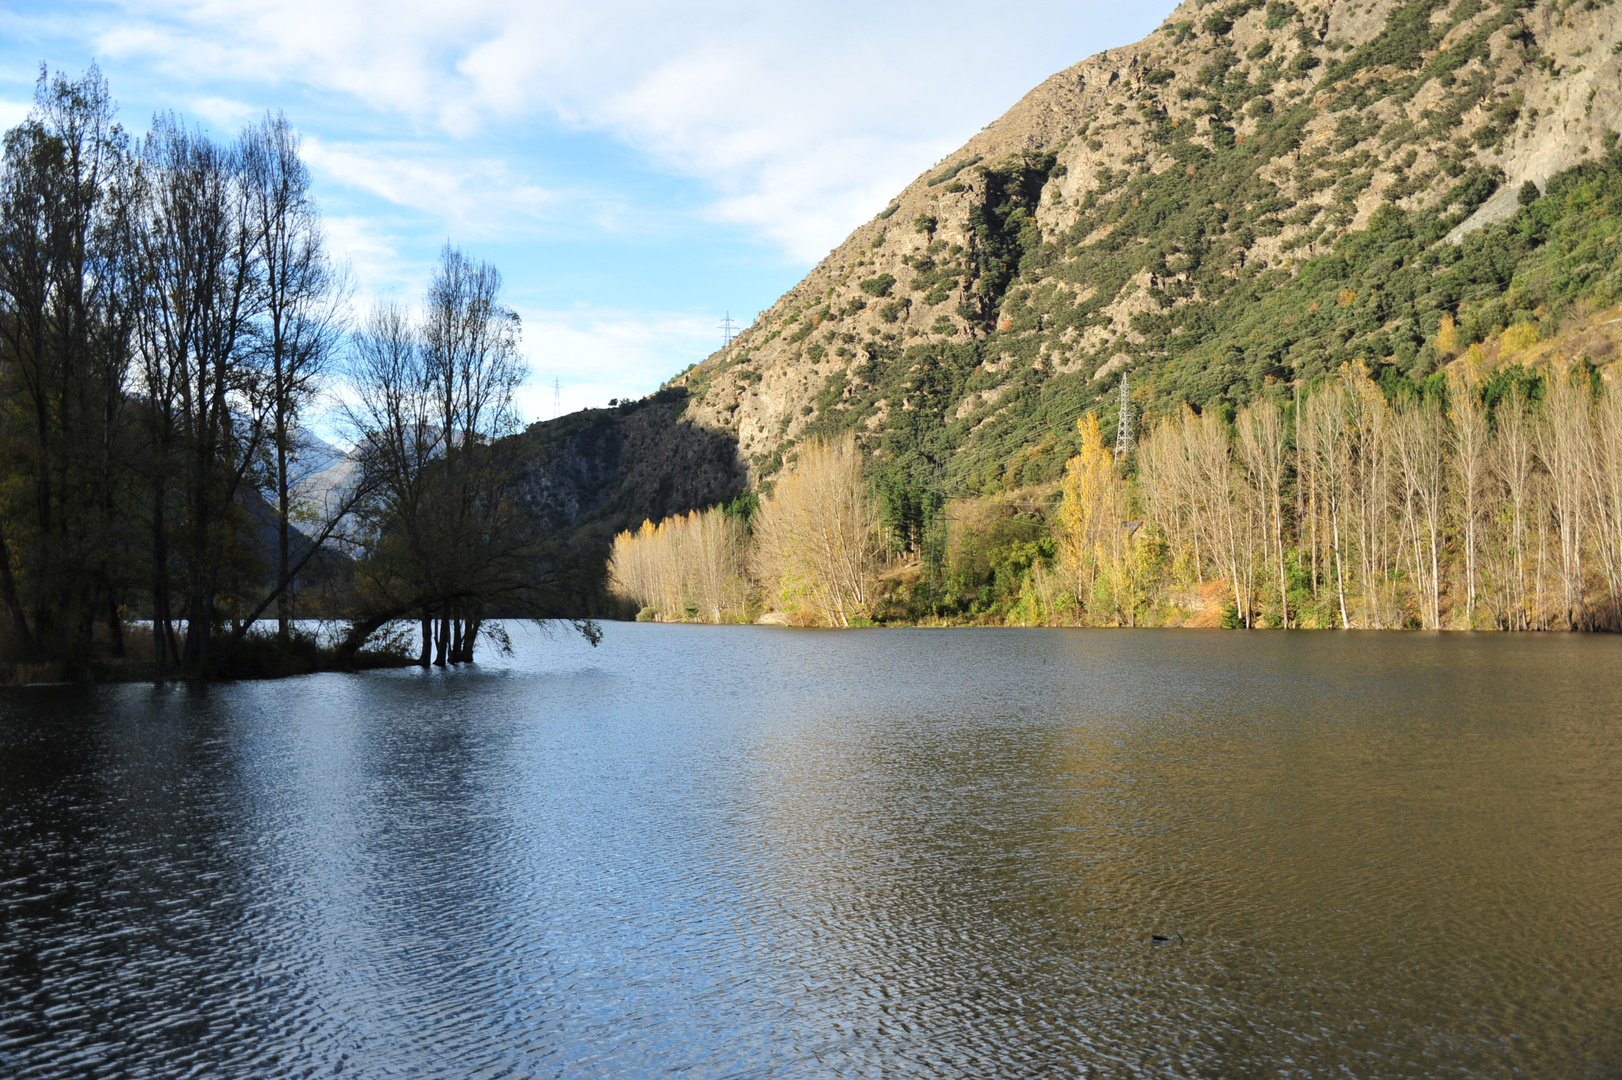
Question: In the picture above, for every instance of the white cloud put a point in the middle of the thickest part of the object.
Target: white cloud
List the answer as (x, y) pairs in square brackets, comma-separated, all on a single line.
[(803, 118), (13, 113), (479, 196), (797, 120), (226, 115), (373, 258), (599, 353)]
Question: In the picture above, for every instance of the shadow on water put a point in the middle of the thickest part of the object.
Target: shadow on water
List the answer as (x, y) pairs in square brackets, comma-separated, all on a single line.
[(754, 852)]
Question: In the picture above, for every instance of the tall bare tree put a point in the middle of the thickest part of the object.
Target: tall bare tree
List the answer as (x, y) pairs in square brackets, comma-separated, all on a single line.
[(1565, 445), (1421, 453), (303, 295), (199, 251), (1469, 444), (818, 535), (1606, 498), (1513, 467), (1262, 448), (445, 535)]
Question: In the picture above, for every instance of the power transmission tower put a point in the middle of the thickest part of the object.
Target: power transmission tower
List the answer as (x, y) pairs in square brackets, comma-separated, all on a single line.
[(729, 329), (557, 398), (1123, 429)]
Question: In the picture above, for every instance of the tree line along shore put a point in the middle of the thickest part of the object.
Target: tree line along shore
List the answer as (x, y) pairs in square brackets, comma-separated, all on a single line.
[(1474, 500), (170, 320)]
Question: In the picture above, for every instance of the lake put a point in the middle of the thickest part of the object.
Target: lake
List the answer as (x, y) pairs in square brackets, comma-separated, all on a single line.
[(758, 852)]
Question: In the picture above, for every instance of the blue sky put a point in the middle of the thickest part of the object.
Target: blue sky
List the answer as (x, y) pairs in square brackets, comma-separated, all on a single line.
[(636, 169)]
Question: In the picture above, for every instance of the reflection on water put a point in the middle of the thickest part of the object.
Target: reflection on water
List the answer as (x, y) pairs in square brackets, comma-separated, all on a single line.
[(741, 852)]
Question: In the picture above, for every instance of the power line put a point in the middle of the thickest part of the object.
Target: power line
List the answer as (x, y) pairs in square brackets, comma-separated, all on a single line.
[(729, 329), (557, 398)]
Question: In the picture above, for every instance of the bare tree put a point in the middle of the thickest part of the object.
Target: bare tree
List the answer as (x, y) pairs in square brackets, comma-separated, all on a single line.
[(1422, 470), (1606, 497), (1218, 510), (303, 298), (392, 418), (1469, 448), (1565, 443), (199, 253), (1327, 439), (818, 535), (1513, 468), (471, 348), (1164, 486), (446, 535), (1262, 449)]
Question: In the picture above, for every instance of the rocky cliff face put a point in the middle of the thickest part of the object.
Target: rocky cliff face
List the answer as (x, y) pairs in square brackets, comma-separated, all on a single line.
[(593, 473), (1325, 111), (1125, 216)]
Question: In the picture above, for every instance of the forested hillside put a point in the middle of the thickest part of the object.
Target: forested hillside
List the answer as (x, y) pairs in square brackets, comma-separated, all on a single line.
[(1380, 225), (1257, 191)]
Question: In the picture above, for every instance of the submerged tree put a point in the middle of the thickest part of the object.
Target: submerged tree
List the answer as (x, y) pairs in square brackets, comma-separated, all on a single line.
[(443, 535), (167, 315)]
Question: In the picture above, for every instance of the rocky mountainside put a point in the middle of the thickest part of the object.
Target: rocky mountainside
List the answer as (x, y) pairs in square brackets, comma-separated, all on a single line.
[(1252, 195)]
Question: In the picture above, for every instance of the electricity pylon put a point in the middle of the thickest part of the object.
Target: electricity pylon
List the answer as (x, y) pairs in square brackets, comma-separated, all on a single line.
[(1123, 429)]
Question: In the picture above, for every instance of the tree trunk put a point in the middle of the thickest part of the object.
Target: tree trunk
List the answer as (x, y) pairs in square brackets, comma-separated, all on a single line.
[(8, 591), (284, 604), (193, 649), (162, 633), (360, 631), (427, 639), (115, 624)]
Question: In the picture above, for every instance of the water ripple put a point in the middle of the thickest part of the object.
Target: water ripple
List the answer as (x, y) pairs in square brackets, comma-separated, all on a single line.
[(742, 852)]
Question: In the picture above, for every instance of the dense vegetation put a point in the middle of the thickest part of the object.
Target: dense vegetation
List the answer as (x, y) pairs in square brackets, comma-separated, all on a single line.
[(1394, 335), (1470, 503), (1394, 345), (169, 318), (808, 553), (1381, 296)]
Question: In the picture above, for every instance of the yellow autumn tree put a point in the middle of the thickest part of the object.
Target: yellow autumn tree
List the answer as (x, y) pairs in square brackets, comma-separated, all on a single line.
[(817, 537), (1090, 534), (687, 567), (1447, 337)]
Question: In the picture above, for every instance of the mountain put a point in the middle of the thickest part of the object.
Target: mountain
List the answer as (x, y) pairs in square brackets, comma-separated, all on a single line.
[(1252, 195)]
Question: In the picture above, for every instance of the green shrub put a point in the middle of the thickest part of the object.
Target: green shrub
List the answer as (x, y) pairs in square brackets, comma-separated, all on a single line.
[(951, 171), (878, 286)]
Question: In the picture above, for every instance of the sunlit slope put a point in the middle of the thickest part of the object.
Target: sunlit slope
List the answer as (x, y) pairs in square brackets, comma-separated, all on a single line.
[(1257, 191)]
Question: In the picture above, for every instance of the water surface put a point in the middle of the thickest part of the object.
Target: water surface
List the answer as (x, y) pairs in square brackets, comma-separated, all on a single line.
[(753, 852)]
